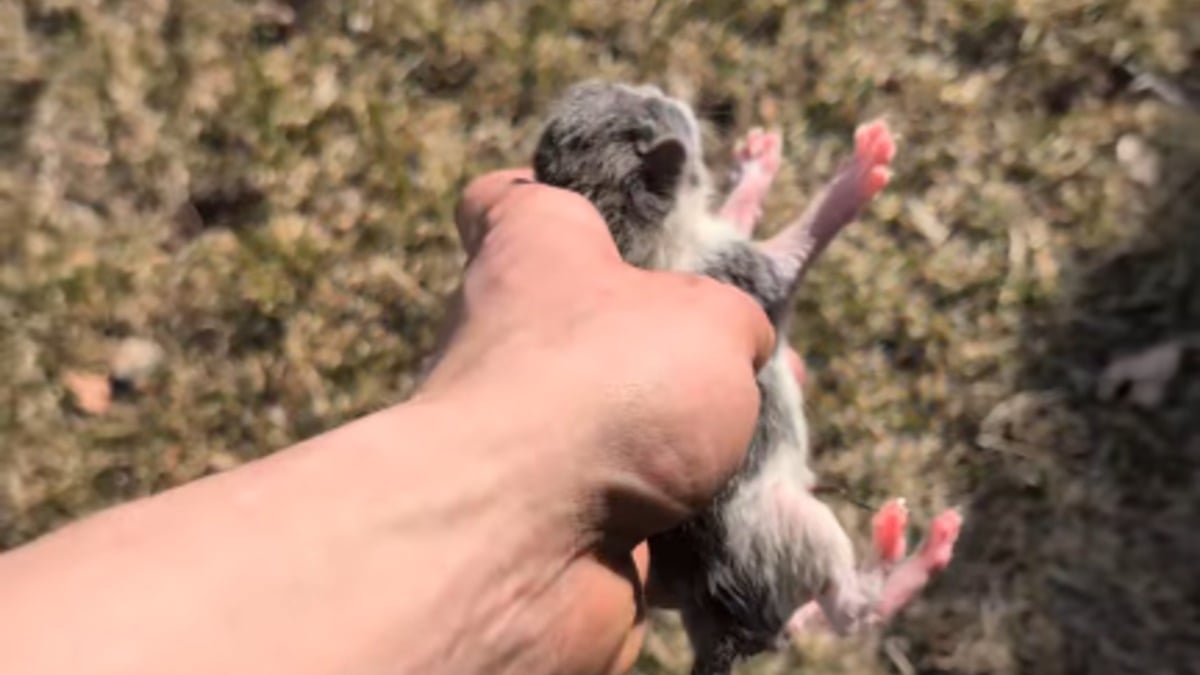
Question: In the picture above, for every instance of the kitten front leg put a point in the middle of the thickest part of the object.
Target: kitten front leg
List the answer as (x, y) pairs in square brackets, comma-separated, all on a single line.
[(758, 158), (797, 246)]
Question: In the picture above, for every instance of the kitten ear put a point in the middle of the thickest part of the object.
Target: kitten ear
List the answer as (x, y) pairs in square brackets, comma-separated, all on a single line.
[(662, 164)]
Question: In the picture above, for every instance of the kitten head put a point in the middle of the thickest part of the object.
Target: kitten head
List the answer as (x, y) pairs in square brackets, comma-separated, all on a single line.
[(630, 150)]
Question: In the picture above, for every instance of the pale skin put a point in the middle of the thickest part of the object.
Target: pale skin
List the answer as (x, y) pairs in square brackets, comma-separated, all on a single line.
[(479, 527), (488, 525)]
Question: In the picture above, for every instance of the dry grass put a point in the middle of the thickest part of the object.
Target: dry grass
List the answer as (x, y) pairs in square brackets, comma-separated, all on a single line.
[(264, 189)]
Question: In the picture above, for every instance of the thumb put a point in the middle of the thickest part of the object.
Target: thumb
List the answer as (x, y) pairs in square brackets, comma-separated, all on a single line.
[(555, 223), (481, 195)]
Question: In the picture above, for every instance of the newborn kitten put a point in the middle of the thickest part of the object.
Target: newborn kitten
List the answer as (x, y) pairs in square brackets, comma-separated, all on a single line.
[(766, 546)]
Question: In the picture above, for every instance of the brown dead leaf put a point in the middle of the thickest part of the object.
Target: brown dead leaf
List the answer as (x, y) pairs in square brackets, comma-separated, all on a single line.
[(1146, 373), (91, 393)]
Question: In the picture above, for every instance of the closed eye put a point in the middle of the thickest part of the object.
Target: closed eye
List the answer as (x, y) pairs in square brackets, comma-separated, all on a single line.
[(641, 137)]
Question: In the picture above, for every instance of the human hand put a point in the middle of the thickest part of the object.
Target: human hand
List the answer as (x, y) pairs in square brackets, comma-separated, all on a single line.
[(638, 386)]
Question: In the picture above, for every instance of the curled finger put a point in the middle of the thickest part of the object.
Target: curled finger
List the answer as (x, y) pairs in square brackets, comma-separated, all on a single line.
[(735, 311)]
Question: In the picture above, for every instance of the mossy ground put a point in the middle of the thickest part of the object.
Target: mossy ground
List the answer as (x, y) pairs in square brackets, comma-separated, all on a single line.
[(265, 190)]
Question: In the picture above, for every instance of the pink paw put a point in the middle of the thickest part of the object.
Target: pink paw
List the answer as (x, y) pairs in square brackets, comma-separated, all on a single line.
[(757, 159), (939, 545), (760, 149), (888, 526), (874, 149), (900, 579)]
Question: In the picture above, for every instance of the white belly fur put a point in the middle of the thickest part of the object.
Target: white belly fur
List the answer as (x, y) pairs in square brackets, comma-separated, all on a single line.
[(691, 231), (781, 551), (783, 488)]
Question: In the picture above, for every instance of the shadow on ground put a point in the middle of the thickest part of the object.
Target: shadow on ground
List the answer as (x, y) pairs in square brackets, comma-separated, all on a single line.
[(1081, 557)]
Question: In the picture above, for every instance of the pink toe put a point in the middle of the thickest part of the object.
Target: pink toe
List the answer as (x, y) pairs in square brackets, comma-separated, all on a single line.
[(754, 141), (761, 148), (865, 135), (885, 148), (772, 151), (943, 534), (873, 143), (946, 526), (762, 143), (889, 524), (876, 179)]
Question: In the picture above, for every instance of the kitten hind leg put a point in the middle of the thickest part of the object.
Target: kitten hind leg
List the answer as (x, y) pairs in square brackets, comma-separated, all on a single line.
[(898, 581), (823, 559), (911, 576)]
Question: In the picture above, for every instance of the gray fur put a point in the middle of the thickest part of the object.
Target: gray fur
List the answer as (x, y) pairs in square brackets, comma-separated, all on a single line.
[(628, 161), (735, 571)]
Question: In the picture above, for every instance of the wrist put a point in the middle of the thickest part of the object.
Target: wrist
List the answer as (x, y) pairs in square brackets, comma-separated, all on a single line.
[(527, 433), (495, 521)]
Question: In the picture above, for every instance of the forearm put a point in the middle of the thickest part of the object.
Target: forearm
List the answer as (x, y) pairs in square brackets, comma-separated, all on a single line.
[(329, 557)]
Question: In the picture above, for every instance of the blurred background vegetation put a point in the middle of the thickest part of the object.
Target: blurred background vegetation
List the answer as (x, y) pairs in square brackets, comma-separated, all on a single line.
[(225, 226)]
